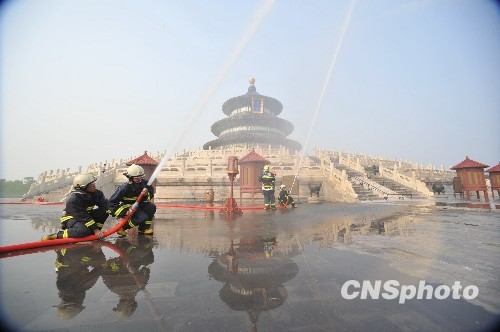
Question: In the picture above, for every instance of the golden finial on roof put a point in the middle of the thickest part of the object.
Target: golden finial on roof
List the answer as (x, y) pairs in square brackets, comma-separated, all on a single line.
[(251, 80)]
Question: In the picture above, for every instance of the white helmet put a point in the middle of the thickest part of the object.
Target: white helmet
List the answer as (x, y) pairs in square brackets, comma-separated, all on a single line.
[(82, 180), (134, 171), (282, 187)]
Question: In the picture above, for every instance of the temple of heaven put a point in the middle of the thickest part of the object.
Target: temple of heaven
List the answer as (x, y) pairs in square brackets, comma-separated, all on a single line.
[(252, 122)]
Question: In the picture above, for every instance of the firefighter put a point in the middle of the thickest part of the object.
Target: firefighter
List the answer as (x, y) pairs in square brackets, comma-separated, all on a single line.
[(85, 212), (126, 195), (285, 198), (268, 180)]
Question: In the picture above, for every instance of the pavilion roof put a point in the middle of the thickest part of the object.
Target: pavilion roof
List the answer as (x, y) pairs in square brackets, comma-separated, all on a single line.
[(495, 168), (143, 160), (253, 157), (469, 163)]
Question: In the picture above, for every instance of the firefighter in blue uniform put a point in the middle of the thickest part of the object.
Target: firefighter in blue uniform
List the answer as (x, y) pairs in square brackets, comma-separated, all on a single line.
[(126, 195), (285, 198), (268, 180), (85, 212)]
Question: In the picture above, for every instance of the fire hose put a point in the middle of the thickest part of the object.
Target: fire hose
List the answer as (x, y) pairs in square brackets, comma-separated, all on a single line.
[(39, 244)]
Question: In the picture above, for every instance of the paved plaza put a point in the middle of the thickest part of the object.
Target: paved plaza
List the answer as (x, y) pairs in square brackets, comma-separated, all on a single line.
[(278, 270)]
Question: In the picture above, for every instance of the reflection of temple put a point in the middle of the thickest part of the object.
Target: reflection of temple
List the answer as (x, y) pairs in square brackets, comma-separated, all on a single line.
[(253, 274), (339, 229), (343, 231), (46, 225), (252, 122)]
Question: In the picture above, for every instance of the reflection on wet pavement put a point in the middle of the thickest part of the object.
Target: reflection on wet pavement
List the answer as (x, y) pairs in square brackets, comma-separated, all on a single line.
[(469, 205), (263, 270)]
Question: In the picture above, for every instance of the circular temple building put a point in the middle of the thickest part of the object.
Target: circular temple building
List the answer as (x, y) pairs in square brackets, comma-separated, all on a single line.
[(252, 122)]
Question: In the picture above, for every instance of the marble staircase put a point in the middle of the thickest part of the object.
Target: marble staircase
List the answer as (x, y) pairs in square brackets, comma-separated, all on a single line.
[(364, 192), (397, 188)]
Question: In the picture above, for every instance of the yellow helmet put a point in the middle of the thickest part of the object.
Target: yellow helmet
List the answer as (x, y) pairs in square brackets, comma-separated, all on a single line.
[(266, 167), (82, 180), (134, 171), (282, 187)]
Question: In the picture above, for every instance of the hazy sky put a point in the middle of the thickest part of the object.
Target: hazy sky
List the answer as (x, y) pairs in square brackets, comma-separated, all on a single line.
[(85, 81)]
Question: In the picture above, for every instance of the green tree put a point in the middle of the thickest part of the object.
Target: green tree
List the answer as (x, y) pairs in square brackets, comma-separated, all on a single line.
[(16, 188)]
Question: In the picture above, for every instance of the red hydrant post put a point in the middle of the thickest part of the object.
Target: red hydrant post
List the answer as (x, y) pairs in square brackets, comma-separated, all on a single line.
[(232, 170)]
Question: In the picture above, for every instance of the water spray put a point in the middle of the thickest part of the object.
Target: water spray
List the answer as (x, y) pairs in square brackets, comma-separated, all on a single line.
[(254, 25), (325, 85)]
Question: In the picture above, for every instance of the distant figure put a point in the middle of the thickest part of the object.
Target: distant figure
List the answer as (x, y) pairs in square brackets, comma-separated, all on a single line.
[(285, 198), (209, 196), (85, 212), (126, 195), (268, 180)]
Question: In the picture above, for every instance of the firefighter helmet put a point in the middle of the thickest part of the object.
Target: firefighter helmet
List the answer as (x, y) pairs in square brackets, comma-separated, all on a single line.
[(266, 167), (82, 180), (134, 171), (282, 187)]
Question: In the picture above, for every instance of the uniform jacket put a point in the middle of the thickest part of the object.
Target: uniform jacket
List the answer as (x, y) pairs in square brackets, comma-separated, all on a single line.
[(127, 194), (283, 197), (79, 205), (268, 180)]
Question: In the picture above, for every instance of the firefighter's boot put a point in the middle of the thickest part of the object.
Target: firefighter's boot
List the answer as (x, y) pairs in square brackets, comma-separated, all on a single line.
[(148, 231), (121, 232), (49, 237)]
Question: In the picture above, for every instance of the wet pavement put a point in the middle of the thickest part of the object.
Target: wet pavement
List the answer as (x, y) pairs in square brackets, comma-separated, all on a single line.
[(278, 270)]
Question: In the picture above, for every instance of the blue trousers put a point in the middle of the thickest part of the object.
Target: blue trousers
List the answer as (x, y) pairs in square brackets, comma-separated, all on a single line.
[(142, 218), (269, 200), (78, 229)]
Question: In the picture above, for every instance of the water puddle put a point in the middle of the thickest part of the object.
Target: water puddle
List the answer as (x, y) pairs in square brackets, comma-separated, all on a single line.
[(470, 205)]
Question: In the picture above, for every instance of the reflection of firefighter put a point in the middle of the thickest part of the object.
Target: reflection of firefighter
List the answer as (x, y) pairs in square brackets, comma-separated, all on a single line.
[(77, 269), (128, 274), (268, 245)]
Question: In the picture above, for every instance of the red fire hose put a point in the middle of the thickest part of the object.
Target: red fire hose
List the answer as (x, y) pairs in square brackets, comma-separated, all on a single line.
[(38, 244), (7, 250)]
